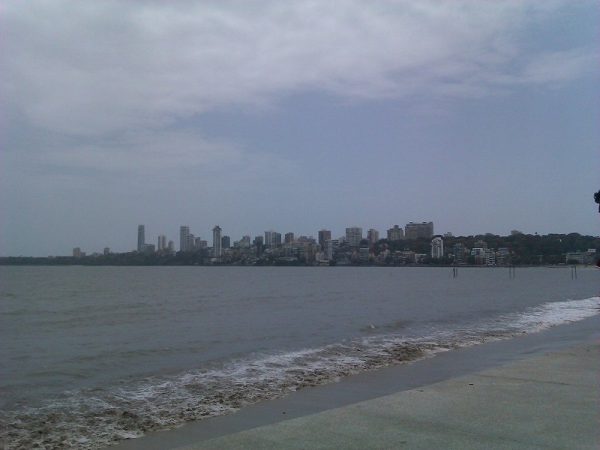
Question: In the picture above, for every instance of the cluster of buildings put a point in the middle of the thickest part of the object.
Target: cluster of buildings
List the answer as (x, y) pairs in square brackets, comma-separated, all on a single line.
[(479, 254), (354, 247), (162, 245)]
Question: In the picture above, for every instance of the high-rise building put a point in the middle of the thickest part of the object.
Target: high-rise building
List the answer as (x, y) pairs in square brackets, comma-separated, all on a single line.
[(225, 242), (217, 241), (324, 236), (77, 253), (395, 233), (184, 238), (289, 238), (418, 230), (106, 251), (372, 236), (141, 238), (354, 236), (162, 243), (171, 247), (272, 239), (331, 247), (245, 241), (437, 247)]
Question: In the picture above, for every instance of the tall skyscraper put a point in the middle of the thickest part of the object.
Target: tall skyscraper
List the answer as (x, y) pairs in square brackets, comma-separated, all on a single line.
[(354, 236), (162, 243), (372, 236), (272, 239), (184, 238), (324, 236), (395, 233), (141, 238), (225, 242), (418, 230), (217, 241), (289, 238)]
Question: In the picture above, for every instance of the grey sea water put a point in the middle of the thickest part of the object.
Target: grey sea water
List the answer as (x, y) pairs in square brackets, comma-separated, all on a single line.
[(91, 355)]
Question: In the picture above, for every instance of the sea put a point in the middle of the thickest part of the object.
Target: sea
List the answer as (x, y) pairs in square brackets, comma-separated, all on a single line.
[(93, 355)]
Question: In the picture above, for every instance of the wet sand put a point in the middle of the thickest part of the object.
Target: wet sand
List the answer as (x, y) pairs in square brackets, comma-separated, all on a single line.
[(373, 384)]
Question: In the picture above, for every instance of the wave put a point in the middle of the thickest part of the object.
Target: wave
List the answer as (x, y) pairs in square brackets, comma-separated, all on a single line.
[(95, 418)]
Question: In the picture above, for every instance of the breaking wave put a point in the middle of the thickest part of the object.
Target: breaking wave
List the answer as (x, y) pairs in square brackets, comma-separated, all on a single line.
[(94, 418)]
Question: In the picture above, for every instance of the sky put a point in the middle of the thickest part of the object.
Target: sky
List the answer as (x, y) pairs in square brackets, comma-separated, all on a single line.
[(481, 116)]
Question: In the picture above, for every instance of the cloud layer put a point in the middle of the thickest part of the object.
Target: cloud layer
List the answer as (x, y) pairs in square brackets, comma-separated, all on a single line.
[(91, 68)]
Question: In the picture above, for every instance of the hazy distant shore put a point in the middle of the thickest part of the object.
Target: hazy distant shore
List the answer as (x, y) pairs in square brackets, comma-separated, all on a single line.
[(98, 261)]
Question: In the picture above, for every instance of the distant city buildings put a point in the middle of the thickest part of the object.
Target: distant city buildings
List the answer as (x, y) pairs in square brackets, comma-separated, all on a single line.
[(331, 247), (245, 241), (372, 236), (324, 236), (272, 239), (354, 236), (184, 238), (225, 242), (418, 230), (142, 247), (401, 247), (217, 241), (141, 238), (437, 248), (395, 233), (162, 243)]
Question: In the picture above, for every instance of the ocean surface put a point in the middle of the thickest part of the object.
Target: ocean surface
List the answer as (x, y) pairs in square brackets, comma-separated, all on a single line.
[(92, 355)]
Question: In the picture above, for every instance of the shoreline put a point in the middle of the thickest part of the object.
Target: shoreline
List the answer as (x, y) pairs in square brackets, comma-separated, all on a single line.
[(373, 384), (541, 401), (432, 266)]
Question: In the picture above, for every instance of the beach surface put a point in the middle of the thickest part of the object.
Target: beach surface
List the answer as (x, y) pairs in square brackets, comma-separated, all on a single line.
[(534, 391)]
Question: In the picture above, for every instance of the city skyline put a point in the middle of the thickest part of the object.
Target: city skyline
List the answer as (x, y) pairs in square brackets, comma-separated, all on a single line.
[(478, 116), (416, 245), (353, 236)]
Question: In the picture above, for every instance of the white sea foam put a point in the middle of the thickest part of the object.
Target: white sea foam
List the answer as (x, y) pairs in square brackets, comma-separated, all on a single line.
[(93, 419)]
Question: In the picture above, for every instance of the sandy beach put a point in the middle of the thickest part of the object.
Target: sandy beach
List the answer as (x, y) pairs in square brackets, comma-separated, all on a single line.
[(330, 416)]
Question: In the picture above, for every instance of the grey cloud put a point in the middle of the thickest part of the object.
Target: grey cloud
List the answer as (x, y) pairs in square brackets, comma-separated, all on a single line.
[(100, 67)]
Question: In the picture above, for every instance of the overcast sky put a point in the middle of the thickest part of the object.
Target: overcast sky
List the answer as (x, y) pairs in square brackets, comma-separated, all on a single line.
[(481, 116)]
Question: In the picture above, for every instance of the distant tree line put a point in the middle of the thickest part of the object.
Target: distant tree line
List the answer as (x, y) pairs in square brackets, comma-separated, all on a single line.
[(526, 249)]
